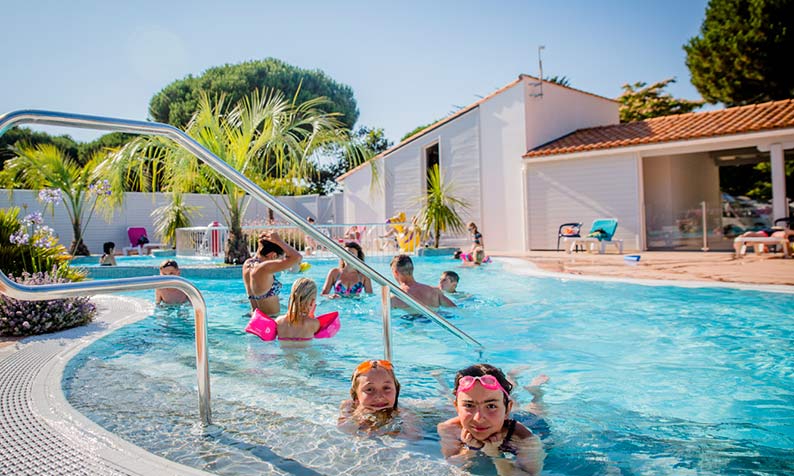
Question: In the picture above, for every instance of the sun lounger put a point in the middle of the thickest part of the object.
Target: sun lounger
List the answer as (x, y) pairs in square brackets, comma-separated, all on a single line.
[(134, 233), (605, 228), (758, 243)]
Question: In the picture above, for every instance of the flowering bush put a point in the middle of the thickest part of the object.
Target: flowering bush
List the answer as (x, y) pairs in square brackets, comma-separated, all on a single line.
[(29, 245), (23, 318)]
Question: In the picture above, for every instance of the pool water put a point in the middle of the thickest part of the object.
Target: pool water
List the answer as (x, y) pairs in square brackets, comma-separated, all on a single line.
[(643, 379), (149, 260)]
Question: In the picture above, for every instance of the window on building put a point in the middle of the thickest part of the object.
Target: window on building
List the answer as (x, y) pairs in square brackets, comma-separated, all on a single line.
[(431, 160)]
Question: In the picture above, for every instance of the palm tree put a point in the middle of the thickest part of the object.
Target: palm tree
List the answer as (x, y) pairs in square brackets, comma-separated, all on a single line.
[(437, 210), (266, 137), (172, 216), (47, 166)]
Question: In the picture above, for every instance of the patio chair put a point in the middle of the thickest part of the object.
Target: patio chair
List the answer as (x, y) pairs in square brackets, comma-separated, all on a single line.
[(601, 234), (139, 241), (569, 230)]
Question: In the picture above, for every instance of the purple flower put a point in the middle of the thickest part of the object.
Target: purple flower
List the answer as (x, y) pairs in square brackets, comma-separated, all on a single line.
[(50, 195), (101, 187), (33, 219), (19, 238)]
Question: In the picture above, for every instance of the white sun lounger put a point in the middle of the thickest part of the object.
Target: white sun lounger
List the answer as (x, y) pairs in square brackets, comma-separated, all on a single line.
[(758, 244)]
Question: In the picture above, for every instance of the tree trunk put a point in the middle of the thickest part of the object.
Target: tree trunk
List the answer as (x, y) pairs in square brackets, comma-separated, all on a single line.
[(237, 246), (78, 247)]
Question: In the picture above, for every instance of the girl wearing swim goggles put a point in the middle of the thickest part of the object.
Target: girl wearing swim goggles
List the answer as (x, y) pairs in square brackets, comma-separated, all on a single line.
[(372, 408), (483, 404)]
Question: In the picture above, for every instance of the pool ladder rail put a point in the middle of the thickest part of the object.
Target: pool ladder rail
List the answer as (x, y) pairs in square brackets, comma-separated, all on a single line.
[(62, 119)]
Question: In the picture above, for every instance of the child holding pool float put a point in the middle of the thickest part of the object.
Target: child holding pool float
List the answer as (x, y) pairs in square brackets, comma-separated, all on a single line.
[(299, 325), (483, 426), (372, 408)]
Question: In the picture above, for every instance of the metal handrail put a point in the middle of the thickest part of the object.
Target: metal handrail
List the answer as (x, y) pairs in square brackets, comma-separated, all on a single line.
[(65, 290), (155, 128)]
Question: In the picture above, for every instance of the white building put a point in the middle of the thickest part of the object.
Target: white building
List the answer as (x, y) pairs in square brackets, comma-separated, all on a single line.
[(528, 161), (479, 149)]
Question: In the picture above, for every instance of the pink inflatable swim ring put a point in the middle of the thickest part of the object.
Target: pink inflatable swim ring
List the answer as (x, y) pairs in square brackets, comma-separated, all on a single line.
[(265, 327)]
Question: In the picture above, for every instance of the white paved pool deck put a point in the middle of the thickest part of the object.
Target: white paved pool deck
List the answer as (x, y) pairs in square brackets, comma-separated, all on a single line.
[(40, 432)]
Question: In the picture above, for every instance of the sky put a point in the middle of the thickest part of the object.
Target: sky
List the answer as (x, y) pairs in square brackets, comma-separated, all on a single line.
[(409, 63)]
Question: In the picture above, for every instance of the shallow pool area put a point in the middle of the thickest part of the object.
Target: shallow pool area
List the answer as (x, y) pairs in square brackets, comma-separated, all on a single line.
[(643, 379), (152, 260)]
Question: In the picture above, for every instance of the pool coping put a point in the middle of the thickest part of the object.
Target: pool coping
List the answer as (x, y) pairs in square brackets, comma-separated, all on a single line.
[(42, 432), (527, 268)]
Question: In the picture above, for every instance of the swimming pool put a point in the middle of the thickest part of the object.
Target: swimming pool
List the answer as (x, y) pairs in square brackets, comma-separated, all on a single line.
[(148, 260), (644, 379)]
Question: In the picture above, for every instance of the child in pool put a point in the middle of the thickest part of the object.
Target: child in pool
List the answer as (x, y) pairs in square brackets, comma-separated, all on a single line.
[(374, 391), (169, 267), (483, 403), (297, 327)]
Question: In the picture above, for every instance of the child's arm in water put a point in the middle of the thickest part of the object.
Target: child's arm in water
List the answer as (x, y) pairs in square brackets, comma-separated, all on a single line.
[(449, 433), (528, 451)]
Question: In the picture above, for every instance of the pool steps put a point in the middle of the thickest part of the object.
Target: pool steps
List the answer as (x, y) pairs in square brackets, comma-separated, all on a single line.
[(40, 432)]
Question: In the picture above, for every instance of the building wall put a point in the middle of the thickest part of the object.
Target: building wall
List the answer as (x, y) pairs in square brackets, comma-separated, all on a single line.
[(364, 203), (405, 176), (137, 209), (561, 111), (582, 190), (502, 136)]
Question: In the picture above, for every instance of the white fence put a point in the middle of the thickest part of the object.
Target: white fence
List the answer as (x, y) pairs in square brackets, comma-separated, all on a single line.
[(376, 239), (137, 208)]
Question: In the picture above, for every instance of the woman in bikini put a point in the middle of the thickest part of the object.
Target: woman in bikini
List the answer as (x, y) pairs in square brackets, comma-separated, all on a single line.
[(346, 281), (259, 273)]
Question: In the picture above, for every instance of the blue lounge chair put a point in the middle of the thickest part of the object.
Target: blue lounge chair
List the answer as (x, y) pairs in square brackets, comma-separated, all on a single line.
[(601, 234)]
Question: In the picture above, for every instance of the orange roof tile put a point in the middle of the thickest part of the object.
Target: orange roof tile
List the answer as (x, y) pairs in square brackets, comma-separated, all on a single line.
[(694, 125)]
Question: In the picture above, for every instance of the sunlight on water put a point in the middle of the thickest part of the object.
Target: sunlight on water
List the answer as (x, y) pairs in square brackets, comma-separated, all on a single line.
[(644, 380)]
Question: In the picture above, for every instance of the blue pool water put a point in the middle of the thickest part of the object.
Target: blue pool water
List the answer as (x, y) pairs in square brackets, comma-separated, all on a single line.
[(643, 379), (148, 260)]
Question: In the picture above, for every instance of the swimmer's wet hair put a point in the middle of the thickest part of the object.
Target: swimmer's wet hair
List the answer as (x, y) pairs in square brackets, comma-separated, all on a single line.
[(451, 275), (403, 264), (303, 291), (266, 247), (375, 364), (478, 370)]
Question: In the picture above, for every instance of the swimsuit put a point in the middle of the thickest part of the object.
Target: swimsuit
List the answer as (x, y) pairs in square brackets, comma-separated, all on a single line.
[(339, 288), (273, 291), (477, 237)]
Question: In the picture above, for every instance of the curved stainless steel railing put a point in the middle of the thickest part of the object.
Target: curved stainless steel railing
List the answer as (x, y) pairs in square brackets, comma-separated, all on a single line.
[(155, 128), (17, 291), (65, 290)]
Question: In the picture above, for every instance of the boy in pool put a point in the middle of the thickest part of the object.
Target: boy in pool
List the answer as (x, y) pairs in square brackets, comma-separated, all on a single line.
[(483, 403), (108, 258), (403, 271), (374, 391), (449, 282), (169, 295)]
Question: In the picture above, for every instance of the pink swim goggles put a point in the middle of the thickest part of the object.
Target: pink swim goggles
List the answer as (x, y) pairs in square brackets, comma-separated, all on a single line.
[(487, 381)]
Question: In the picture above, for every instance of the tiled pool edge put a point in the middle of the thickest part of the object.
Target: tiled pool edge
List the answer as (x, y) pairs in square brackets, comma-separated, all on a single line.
[(42, 433)]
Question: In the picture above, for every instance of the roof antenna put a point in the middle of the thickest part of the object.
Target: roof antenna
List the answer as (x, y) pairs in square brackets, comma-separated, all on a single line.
[(540, 67)]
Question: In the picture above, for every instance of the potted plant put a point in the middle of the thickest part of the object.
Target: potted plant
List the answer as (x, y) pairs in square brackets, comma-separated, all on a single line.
[(438, 211)]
